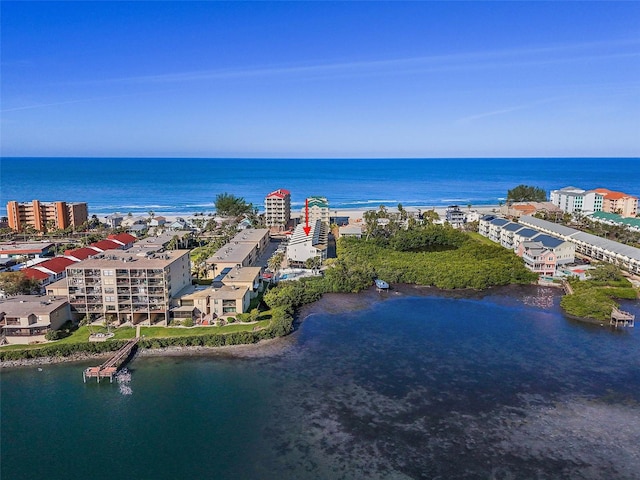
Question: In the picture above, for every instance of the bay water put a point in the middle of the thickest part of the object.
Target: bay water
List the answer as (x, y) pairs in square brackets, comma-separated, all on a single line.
[(414, 383)]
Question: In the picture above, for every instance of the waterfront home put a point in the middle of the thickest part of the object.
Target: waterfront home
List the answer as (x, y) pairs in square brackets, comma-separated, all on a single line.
[(27, 318), (518, 209), (114, 220), (565, 252), (204, 304), (455, 216), (537, 258), (592, 246), (495, 228)]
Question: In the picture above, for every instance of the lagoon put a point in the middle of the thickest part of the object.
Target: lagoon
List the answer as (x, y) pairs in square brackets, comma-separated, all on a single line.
[(413, 383)]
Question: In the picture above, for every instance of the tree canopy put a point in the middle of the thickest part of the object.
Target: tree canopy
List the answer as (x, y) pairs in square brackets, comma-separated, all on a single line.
[(227, 204), (17, 283), (526, 193)]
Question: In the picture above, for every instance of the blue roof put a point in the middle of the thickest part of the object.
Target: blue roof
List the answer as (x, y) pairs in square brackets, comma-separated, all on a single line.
[(548, 241), (499, 221), (486, 218), (528, 232), (512, 227)]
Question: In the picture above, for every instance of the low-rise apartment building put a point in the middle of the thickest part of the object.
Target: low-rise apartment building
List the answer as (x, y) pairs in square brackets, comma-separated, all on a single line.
[(242, 251), (618, 202), (27, 319)]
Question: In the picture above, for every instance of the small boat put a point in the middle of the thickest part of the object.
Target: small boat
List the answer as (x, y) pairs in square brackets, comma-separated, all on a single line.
[(381, 284)]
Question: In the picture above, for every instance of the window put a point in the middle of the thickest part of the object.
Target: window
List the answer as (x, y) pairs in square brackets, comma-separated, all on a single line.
[(108, 273)]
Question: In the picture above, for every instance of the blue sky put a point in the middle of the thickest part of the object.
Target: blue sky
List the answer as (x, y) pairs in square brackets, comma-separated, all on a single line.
[(320, 79)]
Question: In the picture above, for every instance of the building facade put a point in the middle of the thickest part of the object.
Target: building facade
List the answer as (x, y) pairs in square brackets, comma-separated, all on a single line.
[(277, 208), (44, 216), (128, 286), (573, 200), (617, 202), (302, 247), (26, 319), (318, 210)]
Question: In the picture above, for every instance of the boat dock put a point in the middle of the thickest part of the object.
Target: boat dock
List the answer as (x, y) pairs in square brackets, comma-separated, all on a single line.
[(620, 318), (111, 366)]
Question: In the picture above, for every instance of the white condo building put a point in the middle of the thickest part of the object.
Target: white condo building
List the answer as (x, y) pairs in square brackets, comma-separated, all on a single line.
[(572, 199), (301, 246), (277, 207)]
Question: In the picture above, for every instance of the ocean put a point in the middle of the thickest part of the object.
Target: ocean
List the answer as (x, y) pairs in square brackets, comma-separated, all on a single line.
[(187, 185), (409, 384)]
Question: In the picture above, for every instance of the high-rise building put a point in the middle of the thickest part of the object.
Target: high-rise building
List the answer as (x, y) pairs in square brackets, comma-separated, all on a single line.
[(277, 207), (43, 216), (318, 210)]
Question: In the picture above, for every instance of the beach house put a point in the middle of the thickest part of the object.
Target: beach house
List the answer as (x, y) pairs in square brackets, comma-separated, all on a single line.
[(28, 318)]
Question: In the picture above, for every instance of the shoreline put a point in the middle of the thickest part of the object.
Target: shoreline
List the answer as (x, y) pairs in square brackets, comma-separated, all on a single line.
[(353, 213), (263, 348)]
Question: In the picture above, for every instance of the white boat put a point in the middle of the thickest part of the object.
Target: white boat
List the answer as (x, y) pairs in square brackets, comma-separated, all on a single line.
[(381, 284)]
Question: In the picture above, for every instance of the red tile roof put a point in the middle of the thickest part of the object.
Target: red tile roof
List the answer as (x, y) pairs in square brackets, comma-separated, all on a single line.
[(81, 253), (610, 194), (123, 238), (106, 245), (57, 264), (280, 193), (34, 274)]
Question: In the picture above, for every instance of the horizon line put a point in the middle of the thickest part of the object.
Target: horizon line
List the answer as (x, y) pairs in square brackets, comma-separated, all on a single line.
[(499, 157)]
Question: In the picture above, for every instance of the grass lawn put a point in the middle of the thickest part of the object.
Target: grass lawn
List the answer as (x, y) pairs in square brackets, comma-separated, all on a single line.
[(81, 335)]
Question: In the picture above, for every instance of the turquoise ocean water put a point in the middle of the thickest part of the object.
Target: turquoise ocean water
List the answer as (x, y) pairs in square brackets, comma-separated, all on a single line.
[(407, 385), (175, 185)]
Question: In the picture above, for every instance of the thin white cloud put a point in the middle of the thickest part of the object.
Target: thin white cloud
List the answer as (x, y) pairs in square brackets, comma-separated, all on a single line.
[(564, 53), (507, 110)]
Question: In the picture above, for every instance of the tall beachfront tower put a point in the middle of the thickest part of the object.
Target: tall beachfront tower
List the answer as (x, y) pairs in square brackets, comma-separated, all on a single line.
[(277, 207), (44, 216), (318, 210)]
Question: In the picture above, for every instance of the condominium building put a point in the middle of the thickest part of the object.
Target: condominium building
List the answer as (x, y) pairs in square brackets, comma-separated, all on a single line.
[(242, 251), (618, 202), (135, 285), (302, 247), (318, 210), (277, 208), (43, 216), (572, 199)]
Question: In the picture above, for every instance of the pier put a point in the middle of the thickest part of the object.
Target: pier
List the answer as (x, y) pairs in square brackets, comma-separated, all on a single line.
[(110, 367), (620, 318)]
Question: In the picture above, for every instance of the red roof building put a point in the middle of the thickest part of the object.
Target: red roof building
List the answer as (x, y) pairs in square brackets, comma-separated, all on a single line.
[(55, 266), (123, 239), (277, 208), (104, 245), (35, 274), (80, 254)]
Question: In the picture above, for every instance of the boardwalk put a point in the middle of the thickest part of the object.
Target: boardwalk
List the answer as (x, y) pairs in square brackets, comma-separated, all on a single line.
[(110, 367)]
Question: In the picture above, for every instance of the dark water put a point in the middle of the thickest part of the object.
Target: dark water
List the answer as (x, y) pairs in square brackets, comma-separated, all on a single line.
[(406, 385)]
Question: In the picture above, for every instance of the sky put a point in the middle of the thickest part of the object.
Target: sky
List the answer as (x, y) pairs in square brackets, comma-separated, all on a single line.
[(320, 79)]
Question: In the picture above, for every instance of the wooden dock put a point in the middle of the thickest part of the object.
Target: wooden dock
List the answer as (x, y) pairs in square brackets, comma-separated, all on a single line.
[(620, 318), (111, 366)]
